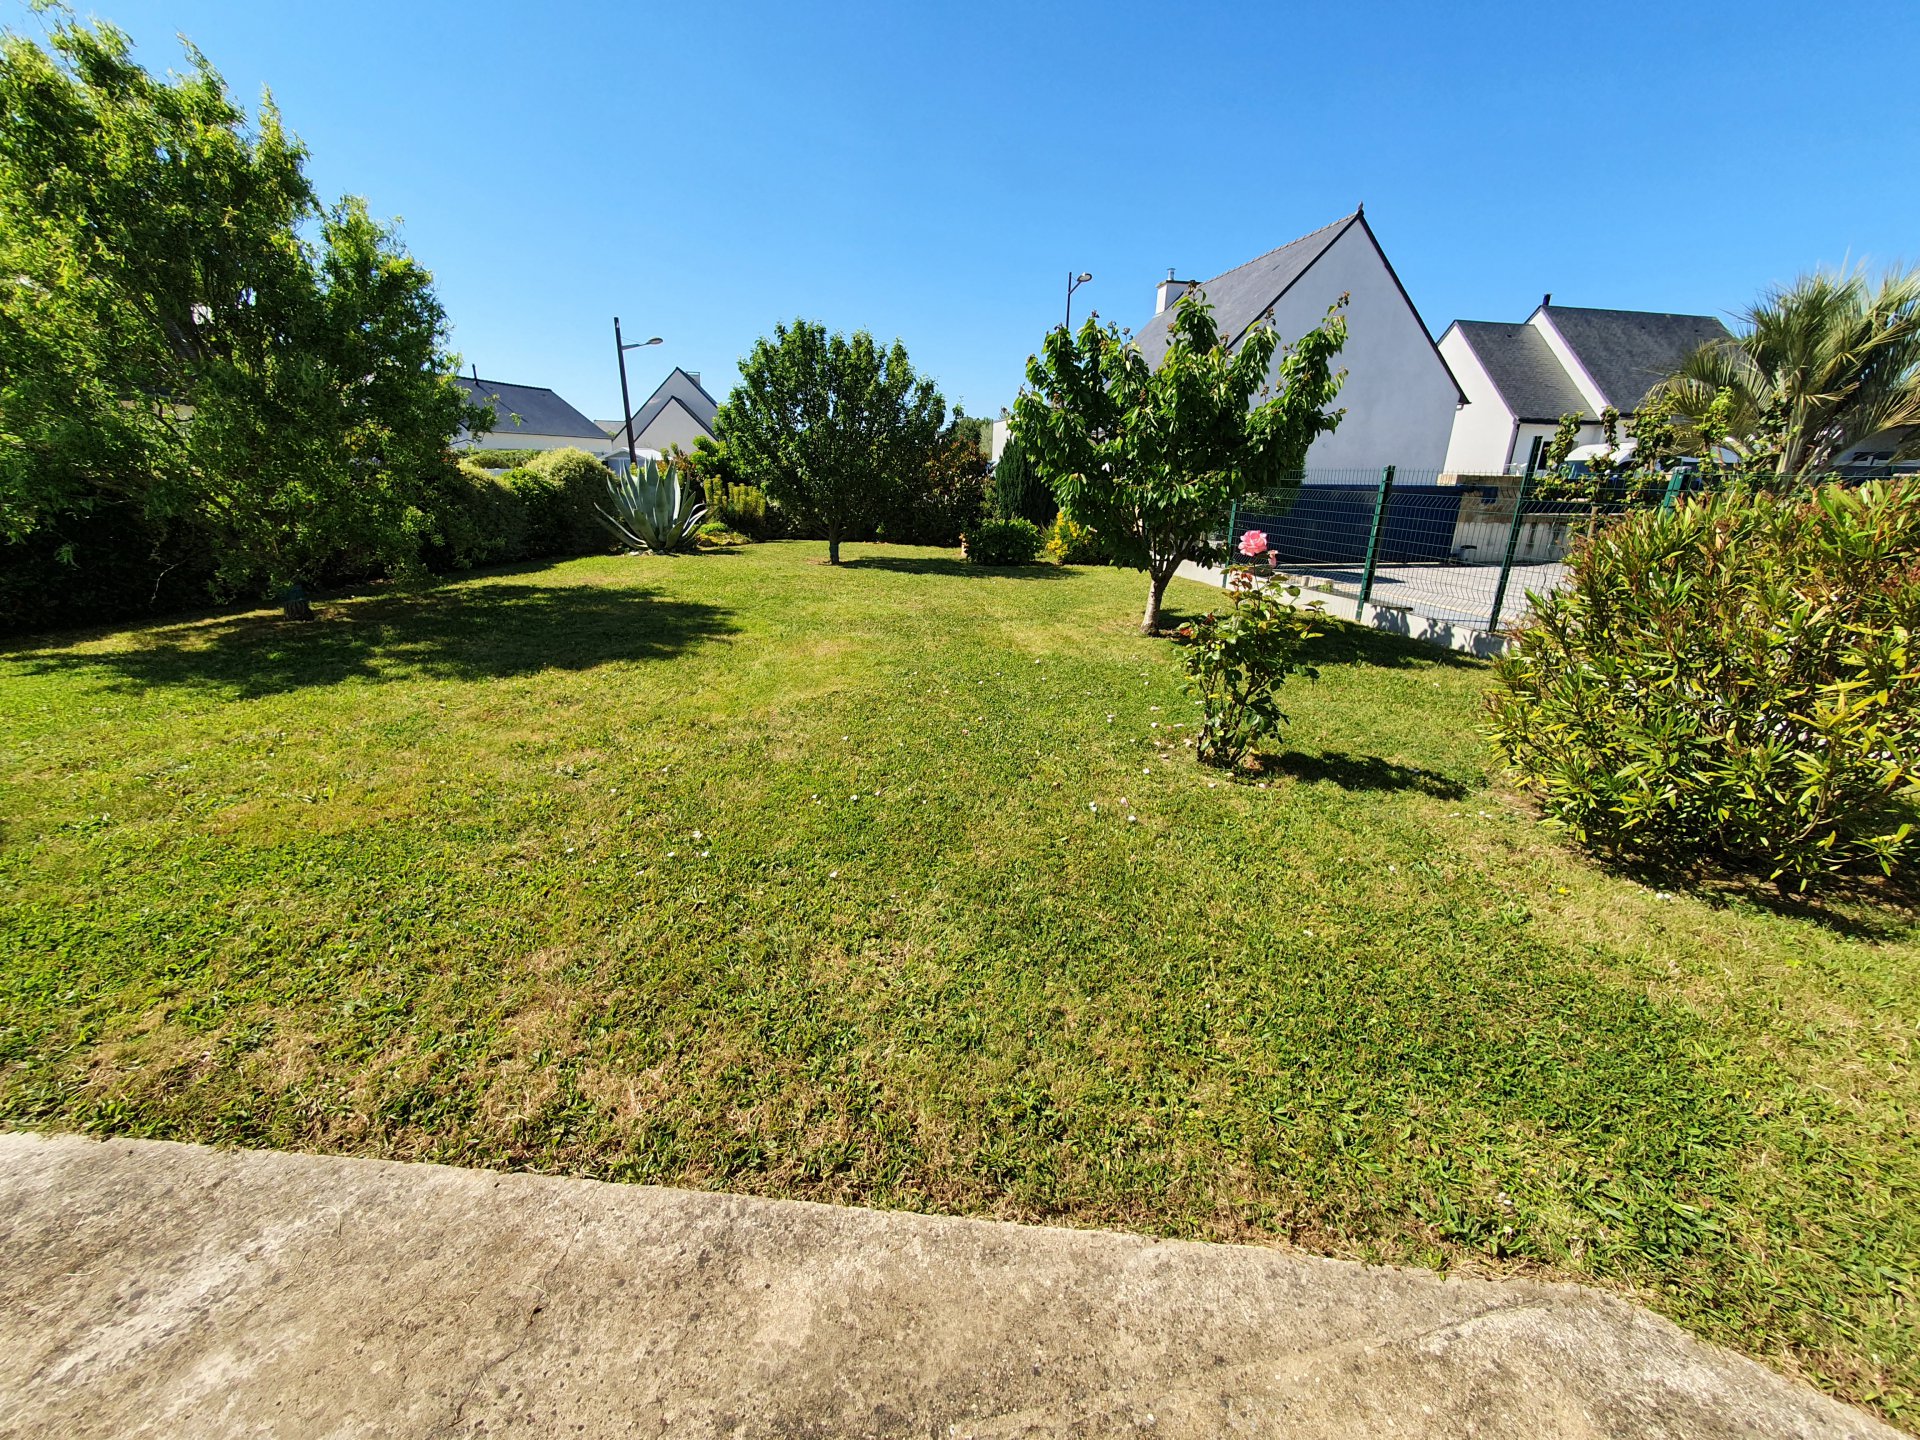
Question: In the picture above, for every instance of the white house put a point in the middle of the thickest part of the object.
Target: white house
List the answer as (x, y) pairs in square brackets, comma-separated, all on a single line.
[(529, 417), (1399, 397), (678, 413), (1563, 360)]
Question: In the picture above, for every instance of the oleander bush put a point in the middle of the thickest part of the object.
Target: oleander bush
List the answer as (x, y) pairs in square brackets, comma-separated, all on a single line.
[(1732, 680), (1002, 542)]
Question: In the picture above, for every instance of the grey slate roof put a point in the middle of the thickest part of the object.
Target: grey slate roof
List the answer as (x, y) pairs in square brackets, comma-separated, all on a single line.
[(691, 394), (1242, 295), (1524, 369), (529, 409), (1628, 352)]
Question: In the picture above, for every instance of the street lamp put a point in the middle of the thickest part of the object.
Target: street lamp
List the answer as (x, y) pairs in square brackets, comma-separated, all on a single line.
[(1074, 282), (626, 405)]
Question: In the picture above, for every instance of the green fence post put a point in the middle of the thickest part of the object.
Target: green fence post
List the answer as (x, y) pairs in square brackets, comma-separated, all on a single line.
[(1513, 543), (1373, 535), (1233, 519), (1673, 488)]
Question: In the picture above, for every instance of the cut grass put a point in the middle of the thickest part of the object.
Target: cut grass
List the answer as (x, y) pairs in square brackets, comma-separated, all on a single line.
[(896, 884)]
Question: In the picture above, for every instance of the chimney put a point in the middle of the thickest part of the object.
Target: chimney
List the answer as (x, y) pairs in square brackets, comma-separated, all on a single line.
[(694, 375), (1546, 300), (1169, 292)]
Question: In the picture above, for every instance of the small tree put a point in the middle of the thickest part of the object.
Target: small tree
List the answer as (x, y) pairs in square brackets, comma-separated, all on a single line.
[(1018, 493), (1151, 457), (828, 424)]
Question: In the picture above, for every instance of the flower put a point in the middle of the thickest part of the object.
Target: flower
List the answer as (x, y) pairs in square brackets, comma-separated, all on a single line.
[(1254, 542)]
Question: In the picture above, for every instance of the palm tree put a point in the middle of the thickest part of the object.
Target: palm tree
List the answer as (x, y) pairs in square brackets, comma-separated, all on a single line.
[(1823, 364)]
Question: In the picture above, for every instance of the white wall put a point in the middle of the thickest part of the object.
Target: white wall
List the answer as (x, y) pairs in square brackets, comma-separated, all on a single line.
[(1482, 438), (672, 426), (521, 440), (1399, 399)]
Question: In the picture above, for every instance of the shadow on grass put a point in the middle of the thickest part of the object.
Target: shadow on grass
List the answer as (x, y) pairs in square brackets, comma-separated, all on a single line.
[(1340, 643), (1361, 772), (958, 569), (466, 632), (1860, 906)]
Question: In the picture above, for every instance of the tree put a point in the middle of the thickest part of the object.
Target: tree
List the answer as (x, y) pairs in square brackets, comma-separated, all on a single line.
[(184, 328), (827, 425), (1149, 457), (1018, 493), (1820, 366)]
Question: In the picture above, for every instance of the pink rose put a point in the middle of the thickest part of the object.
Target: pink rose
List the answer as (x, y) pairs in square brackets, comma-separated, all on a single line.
[(1254, 542)]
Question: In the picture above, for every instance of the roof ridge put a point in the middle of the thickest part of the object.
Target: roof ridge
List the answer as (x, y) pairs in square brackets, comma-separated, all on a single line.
[(1616, 310), (482, 380), (1343, 220)]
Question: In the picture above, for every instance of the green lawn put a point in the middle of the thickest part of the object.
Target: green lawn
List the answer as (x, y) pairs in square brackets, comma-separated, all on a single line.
[(895, 884)]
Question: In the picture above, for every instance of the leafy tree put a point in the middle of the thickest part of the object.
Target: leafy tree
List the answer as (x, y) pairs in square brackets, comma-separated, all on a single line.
[(828, 425), (1820, 366), (183, 327), (1151, 457), (946, 495)]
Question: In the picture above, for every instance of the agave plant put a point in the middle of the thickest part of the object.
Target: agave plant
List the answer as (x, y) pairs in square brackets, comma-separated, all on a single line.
[(652, 510)]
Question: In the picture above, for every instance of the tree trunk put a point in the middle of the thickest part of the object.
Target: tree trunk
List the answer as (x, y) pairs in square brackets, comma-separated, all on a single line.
[(1156, 591), (295, 605), (833, 547)]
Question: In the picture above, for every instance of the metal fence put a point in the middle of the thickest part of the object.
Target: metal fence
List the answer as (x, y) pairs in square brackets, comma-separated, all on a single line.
[(1460, 550)]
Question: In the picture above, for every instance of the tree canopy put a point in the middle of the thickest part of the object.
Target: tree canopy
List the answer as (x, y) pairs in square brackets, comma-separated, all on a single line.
[(1820, 366), (1150, 457), (827, 425), (184, 326)]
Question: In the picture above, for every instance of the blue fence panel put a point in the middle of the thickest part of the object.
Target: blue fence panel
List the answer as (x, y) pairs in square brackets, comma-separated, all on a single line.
[(1330, 524)]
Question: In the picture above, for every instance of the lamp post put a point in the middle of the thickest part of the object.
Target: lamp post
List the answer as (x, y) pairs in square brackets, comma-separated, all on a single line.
[(626, 405), (1074, 282)]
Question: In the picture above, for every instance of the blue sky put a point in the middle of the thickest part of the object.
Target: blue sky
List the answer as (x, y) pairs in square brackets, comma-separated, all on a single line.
[(707, 169)]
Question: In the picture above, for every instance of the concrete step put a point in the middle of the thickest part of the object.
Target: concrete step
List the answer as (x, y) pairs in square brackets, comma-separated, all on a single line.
[(160, 1289)]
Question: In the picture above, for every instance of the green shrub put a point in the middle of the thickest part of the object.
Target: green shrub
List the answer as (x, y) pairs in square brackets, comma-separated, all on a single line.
[(547, 508), (1073, 544), (1734, 678), (584, 481), (112, 563), (1238, 660), (740, 508), (473, 518), (1002, 542), (500, 459)]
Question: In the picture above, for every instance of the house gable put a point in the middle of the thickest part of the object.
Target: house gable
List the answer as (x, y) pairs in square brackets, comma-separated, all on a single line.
[(1525, 373), (1619, 355), (1399, 395), (673, 423), (686, 389)]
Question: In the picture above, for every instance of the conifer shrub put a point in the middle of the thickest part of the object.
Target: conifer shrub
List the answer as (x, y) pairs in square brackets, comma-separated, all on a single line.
[(1735, 680)]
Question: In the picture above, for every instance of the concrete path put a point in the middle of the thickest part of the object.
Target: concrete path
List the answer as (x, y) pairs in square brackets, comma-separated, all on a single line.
[(152, 1289)]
